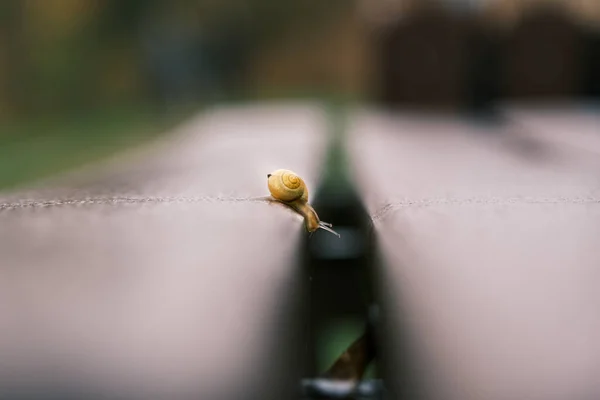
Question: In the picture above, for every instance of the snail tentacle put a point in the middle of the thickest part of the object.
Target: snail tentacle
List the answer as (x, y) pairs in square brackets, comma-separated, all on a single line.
[(327, 226)]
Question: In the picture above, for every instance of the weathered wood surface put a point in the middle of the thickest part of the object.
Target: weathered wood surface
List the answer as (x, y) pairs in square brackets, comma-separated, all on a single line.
[(489, 256), (157, 276), (567, 125)]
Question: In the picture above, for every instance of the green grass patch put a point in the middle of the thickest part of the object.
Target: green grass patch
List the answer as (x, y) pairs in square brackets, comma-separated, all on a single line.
[(40, 147), (335, 338)]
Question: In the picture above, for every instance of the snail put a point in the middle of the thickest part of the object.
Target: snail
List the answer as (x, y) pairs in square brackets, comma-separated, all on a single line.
[(288, 188)]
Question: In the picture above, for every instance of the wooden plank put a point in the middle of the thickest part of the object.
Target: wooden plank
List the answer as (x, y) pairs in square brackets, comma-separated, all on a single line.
[(489, 261), (157, 276), (566, 125)]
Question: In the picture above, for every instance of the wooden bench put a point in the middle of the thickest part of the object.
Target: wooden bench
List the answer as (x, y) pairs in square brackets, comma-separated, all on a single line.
[(157, 276), (488, 254)]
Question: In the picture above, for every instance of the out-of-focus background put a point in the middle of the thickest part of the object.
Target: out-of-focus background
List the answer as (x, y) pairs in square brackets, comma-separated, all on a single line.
[(81, 80)]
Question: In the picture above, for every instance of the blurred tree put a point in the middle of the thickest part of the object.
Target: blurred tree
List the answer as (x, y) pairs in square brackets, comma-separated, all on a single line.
[(61, 55), (536, 66), (12, 57)]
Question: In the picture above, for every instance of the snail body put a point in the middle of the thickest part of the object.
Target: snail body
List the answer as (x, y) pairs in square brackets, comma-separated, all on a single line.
[(288, 188)]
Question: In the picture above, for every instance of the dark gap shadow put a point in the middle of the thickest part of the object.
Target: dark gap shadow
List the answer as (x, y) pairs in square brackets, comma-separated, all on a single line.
[(340, 298)]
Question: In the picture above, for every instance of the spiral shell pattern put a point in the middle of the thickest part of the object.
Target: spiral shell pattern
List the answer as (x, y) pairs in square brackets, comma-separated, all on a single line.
[(285, 185)]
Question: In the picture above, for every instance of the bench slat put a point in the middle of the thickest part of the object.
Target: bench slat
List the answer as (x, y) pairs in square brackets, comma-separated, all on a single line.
[(155, 276), (489, 261)]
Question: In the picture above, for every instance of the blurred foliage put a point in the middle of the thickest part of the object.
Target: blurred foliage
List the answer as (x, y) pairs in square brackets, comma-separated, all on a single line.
[(73, 55), (335, 338)]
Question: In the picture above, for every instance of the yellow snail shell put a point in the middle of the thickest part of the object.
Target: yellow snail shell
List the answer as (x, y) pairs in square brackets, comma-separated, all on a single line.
[(288, 188)]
